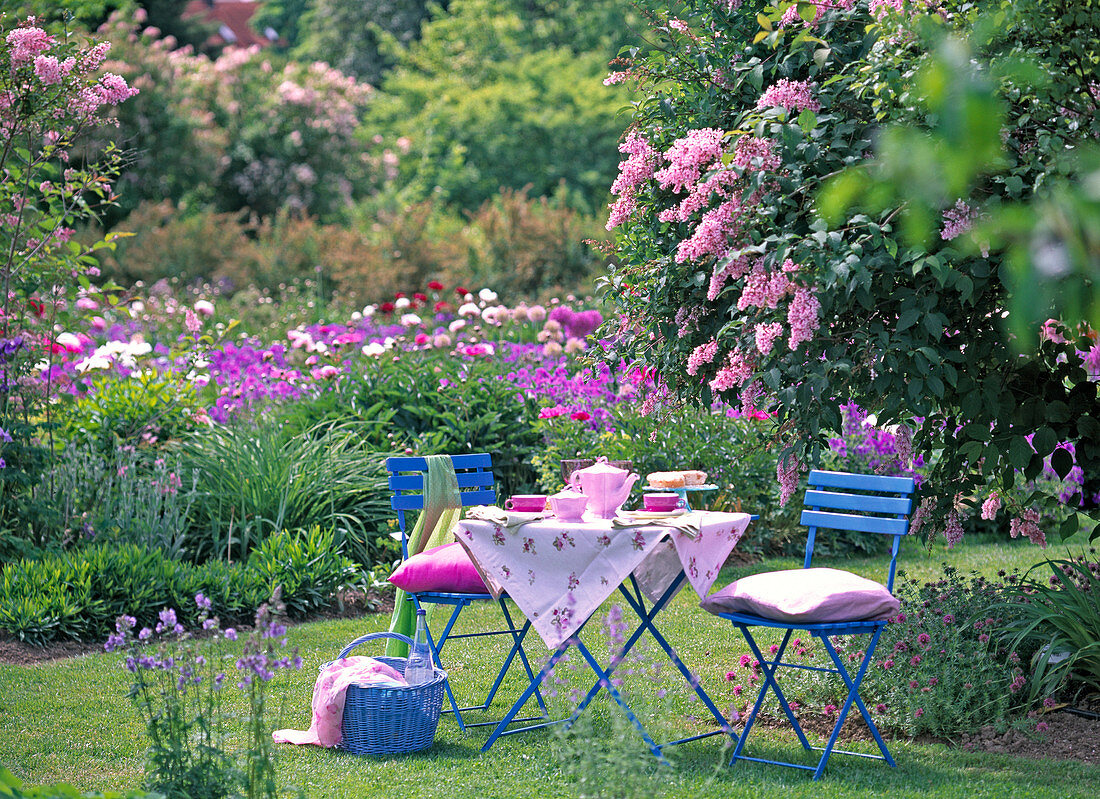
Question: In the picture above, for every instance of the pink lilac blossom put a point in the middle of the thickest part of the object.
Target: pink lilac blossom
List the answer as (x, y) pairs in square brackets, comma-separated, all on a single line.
[(711, 236), (991, 505), (615, 77), (753, 295), (702, 354), (953, 531), (751, 395), (688, 155), (633, 172), (1028, 525), (48, 70), (751, 152), (793, 95), (26, 43), (803, 317), (723, 271), (787, 471), (957, 220), (791, 16), (880, 8), (734, 374), (766, 334)]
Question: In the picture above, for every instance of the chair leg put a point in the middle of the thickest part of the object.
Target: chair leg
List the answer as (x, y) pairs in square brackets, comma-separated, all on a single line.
[(768, 668), (852, 699), (437, 648)]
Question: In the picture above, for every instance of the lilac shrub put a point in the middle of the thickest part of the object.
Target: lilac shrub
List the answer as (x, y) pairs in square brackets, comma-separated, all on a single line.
[(178, 685)]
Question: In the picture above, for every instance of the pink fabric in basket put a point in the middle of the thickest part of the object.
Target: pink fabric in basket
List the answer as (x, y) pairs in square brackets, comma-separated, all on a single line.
[(329, 693), (807, 596), (444, 568)]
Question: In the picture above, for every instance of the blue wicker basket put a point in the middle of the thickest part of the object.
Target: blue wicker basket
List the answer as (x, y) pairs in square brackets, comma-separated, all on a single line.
[(390, 721)]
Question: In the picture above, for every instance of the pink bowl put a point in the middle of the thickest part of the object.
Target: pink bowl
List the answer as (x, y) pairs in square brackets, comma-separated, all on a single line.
[(526, 503), (661, 502)]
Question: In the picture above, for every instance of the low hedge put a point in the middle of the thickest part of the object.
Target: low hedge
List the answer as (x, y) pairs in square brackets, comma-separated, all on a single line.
[(79, 594)]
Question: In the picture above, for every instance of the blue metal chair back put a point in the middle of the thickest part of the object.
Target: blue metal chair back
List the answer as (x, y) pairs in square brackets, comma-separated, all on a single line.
[(475, 484), (863, 503)]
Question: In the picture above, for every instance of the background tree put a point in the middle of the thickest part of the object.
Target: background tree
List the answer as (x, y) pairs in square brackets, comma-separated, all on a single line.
[(357, 36), (507, 93)]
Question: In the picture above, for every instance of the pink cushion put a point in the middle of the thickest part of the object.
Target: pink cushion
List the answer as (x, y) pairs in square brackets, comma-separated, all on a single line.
[(444, 568), (805, 595)]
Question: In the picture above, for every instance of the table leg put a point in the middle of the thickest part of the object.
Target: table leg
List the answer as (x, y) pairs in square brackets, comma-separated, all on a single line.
[(646, 618)]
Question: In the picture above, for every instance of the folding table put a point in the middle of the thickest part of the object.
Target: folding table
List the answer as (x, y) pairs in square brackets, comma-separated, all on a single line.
[(559, 573)]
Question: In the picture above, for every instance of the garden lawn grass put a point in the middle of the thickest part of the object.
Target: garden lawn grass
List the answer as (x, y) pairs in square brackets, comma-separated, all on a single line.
[(70, 721)]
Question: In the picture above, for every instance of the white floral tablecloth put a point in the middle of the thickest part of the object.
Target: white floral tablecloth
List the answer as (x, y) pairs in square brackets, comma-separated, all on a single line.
[(559, 572)]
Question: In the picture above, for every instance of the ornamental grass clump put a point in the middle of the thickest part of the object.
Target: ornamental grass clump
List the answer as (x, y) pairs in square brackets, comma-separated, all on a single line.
[(178, 690), (1060, 618), (942, 666)]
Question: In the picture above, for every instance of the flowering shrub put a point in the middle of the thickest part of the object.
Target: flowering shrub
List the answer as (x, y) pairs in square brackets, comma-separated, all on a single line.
[(733, 284), (53, 92), (177, 690)]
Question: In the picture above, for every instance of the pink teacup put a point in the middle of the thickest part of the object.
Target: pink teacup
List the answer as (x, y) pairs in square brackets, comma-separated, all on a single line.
[(526, 503), (662, 502), (568, 506)]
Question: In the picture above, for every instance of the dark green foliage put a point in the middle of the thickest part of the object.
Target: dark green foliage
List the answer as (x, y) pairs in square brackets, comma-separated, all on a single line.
[(503, 93), (143, 409), (80, 594), (12, 788), (355, 35)]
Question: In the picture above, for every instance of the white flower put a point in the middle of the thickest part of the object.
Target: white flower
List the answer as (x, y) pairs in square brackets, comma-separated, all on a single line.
[(204, 308), (368, 311), (374, 349), (456, 325), (469, 309), (487, 295), (137, 307), (356, 316), (402, 302), (410, 320)]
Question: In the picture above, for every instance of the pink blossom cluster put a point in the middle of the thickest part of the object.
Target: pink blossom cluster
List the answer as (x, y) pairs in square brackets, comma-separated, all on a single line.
[(787, 472), (791, 16), (634, 171), (712, 236), (732, 268), (702, 354), (766, 334), (803, 315), (794, 95), (734, 373), (991, 505), (880, 8), (688, 156), (28, 42), (616, 77), (953, 531), (764, 288), (751, 152), (51, 71), (958, 220), (687, 319), (1027, 525)]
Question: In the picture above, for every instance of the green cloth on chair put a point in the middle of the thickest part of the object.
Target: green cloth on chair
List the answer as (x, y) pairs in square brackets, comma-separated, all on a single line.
[(434, 526)]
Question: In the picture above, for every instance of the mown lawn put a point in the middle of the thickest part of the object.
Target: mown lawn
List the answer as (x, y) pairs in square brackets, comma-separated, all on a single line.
[(70, 721)]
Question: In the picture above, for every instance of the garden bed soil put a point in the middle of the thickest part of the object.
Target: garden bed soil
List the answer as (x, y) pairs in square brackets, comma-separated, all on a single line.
[(1068, 736)]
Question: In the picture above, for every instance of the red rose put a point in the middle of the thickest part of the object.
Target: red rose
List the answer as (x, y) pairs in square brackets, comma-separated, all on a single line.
[(580, 416), (386, 307), (435, 285), (442, 306), (420, 297), (461, 292)]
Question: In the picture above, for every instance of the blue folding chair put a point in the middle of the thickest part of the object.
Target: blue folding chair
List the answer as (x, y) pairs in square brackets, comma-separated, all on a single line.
[(475, 485), (836, 501)]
